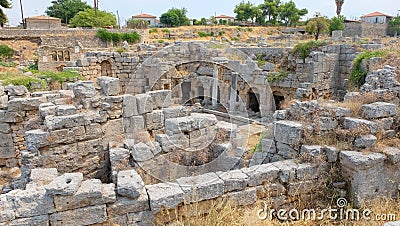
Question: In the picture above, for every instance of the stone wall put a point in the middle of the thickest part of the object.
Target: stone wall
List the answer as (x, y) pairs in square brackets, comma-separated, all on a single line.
[(365, 30)]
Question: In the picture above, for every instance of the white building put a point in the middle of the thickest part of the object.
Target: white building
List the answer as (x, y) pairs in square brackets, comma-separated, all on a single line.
[(146, 17), (376, 18), (224, 19)]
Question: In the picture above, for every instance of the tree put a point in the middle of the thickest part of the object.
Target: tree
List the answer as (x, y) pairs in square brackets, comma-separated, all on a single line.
[(245, 11), (203, 21), (339, 4), (337, 23), (175, 17), (394, 25), (317, 26), (270, 9), (289, 14), (90, 18), (4, 4), (66, 9)]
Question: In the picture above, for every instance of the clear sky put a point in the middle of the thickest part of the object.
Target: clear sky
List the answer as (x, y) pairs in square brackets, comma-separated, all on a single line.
[(206, 8)]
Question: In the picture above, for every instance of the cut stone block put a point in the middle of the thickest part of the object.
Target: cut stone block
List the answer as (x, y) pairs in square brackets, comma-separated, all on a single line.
[(129, 106), (202, 187), (66, 184), (125, 205), (82, 216), (378, 110), (243, 198), (365, 141), (359, 161), (42, 177), (129, 184), (167, 195), (355, 123), (141, 152), (261, 174), (109, 86), (393, 154), (288, 132), (233, 180)]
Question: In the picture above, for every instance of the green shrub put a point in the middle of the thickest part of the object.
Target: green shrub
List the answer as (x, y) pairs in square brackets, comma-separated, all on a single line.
[(277, 76), (160, 41), (239, 28), (202, 34), (220, 33), (357, 76), (65, 76), (153, 30), (6, 52), (20, 80), (120, 50), (166, 31), (211, 33), (304, 49), (7, 64), (250, 29), (105, 35)]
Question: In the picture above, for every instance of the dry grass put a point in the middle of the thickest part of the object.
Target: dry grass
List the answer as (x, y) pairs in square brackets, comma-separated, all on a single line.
[(221, 212)]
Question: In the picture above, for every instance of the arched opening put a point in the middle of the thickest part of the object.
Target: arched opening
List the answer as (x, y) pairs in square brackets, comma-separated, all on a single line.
[(67, 56), (54, 56), (279, 99), (60, 55), (186, 88), (199, 92), (253, 102), (106, 69)]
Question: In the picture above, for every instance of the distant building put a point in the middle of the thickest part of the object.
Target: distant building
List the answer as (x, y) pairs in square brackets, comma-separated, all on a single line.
[(224, 19), (376, 18), (146, 17), (43, 22)]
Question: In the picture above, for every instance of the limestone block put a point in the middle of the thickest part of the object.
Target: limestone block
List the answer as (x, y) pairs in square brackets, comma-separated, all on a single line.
[(311, 150), (155, 120), (63, 110), (280, 114), (118, 155), (41, 177), (16, 90), (36, 139), (82, 216), (143, 218), (167, 195), (307, 171), (202, 187), (25, 104), (261, 174), (109, 86), (165, 142), (268, 67), (393, 154), (125, 205), (46, 109), (359, 161), (233, 180), (129, 184), (174, 112), (243, 198), (286, 151), (365, 141), (327, 123), (69, 121), (201, 120), (160, 98), (90, 193), (144, 103), (6, 209), (32, 202), (287, 170), (42, 220), (288, 132), (378, 110), (3, 102), (141, 152), (267, 147), (66, 184), (332, 154), (134, 123), (355, 123), (84, 89), (129, 106), (7, 149)]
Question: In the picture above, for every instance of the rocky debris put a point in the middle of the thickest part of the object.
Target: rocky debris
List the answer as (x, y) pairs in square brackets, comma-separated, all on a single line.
[(383, 79), (365, 141), (109, 86), (378, 110), (66, 184), (167, 195), (129, 184)]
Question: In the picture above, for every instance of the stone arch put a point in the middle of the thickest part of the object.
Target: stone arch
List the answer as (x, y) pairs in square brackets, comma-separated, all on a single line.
[(54, 56), (279, 99), (60, 56), (106, 68), (67, 55), (153, 68)]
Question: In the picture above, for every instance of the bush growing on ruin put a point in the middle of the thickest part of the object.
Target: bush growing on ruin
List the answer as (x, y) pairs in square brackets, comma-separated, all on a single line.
[(317, 26), (90, 18), (107, 36), (337, 23), (6, 52), (304, 49), (358, 74)]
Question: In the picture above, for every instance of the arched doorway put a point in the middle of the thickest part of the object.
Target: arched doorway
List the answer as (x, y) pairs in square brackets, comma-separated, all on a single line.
[(106, 68), (253, 102), (279, 99), (186, 88)]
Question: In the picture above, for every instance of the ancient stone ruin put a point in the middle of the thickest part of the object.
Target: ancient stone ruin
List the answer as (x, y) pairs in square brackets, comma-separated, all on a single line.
[(155, 129)]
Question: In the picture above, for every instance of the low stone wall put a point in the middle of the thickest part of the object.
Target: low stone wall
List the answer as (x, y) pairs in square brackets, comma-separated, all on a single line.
[(365, 30)]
